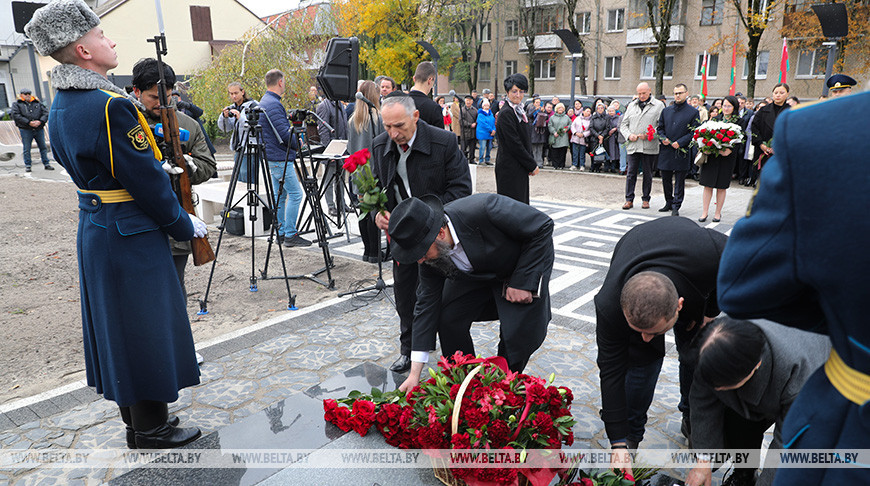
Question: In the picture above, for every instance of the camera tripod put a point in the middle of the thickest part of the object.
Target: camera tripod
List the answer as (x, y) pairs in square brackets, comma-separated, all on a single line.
[(254, 161), (312, 195)]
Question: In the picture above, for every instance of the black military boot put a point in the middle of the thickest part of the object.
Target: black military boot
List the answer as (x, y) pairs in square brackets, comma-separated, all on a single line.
[(152, 430), (740, 477), (131, 434)]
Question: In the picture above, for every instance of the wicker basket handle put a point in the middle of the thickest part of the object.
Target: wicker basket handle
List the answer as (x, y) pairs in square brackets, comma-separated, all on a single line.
[(454, 421)]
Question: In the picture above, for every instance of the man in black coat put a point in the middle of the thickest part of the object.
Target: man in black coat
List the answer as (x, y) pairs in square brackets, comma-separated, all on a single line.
[(424, 79), (676, 126), (411, 159), (30, 116), (487, 257), (662, 276), (514, 162)]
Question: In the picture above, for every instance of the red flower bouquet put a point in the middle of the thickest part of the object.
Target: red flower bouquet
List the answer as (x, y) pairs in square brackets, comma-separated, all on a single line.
[(467, 403), (713, 137), (650, 133), (372, 197)]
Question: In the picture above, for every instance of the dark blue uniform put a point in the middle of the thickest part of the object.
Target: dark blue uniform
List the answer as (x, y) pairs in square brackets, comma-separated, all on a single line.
[(800, 258), (137, 339)]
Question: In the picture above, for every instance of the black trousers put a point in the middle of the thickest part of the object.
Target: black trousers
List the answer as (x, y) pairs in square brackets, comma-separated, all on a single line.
[(475, 304), (674, 189), (635, 161), (371, 237), (405, 279), (469, 148)]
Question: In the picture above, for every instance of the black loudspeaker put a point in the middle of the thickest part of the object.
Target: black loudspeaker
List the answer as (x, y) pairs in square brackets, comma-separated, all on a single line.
[(340, 71), (833, 18), (22, 12)]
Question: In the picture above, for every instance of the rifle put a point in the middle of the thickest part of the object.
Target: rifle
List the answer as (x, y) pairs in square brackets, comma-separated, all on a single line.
[(172, 153)]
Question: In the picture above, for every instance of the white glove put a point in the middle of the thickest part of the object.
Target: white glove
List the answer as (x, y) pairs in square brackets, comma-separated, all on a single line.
[(200, 230), (190, 163), (171, 169)]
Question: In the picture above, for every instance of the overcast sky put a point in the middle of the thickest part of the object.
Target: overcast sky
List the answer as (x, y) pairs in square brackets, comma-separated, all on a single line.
[(267, 7)]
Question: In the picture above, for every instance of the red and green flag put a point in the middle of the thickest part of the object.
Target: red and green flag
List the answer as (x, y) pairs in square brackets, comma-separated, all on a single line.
[(783, 64), (704, 76), (733, 88)]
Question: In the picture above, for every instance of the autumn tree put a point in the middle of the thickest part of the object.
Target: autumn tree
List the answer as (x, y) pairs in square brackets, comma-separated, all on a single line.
[(661, 15), (269, 48), (570, 7), (528, 14), (804, 32), (388, 31), (459, 23), (755, 18)]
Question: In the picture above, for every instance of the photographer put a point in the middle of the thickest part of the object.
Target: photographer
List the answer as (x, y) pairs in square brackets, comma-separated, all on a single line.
[(233, 119)]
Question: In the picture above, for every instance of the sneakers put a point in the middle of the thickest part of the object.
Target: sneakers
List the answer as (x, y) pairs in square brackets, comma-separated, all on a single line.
[(296, 240), (28, 169), (573, 167), (48, 167)]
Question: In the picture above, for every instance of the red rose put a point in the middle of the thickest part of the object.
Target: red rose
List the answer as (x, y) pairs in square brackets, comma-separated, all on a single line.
[(730, 133), (719, 136), (329, 407), (702, 131), (629, 477), (342, 416), (349, 165), (726, 139), (360, 424), (365, 409), (709, 143), (586, 482), (357, 159)]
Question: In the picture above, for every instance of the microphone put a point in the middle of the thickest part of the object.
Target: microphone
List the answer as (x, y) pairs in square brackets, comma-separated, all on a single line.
[(362, 97), (183, 135), (452, 93)]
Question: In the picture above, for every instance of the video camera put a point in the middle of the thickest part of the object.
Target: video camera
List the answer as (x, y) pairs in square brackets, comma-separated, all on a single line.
[(298, 116)]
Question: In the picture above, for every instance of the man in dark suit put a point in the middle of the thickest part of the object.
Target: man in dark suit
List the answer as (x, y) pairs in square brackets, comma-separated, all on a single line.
[(662, 276), (783, 264), (514, 162), (676, 126), (410, 159), (424, 79), (487, 257)]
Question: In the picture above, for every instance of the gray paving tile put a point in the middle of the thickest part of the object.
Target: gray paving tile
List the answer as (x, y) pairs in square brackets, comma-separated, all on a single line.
[(22, 416), (45, 408)]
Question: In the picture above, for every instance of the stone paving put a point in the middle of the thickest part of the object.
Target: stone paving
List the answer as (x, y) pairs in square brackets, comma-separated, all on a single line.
[(286, 355)]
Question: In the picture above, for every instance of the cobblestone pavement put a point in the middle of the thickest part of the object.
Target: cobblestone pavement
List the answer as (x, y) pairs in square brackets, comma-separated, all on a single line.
[(256, 367)]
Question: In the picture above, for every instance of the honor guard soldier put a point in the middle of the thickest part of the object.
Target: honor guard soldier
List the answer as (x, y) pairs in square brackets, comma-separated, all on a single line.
[(840, 85), (138, 345)]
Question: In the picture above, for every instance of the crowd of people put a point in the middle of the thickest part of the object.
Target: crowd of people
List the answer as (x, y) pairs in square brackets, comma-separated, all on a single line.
[(461, 258)]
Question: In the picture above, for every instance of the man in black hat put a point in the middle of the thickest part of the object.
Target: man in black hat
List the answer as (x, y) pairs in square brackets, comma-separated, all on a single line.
[(412, 158), (840, 85), (487, 257), (30, 116)]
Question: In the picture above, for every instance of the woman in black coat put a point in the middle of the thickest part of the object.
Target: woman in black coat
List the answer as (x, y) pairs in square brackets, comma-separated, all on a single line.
[(514, 162), (716, 171), (762, 127), (599, 131)]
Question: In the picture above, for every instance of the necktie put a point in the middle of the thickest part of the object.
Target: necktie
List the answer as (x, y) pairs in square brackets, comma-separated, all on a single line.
[(404, 147)]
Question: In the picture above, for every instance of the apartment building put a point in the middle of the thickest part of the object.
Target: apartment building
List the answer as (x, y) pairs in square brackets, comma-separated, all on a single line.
[(619, 49)]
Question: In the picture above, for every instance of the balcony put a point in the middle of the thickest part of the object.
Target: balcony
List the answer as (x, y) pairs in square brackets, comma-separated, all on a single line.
[(544, 44), (643, 38)]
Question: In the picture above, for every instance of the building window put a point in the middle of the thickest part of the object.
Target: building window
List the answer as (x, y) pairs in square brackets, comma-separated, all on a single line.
[(583, 21), (510, 67), (510, 28), (200, 23), (812, 63), (612, 67), (711, 12), (545, 69), (648, 67), (761, 63), (485, 32), (484, 72), (712, 66), (615, 20), (547, 19)]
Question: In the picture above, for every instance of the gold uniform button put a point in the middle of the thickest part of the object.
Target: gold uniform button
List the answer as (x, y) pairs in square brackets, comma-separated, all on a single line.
[(93, 202)]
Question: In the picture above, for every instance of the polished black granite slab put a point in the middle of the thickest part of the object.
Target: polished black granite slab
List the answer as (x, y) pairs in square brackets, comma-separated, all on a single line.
[(296, 422)]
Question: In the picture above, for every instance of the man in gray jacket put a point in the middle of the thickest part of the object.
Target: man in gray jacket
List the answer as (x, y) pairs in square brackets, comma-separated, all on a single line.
[(642, 113), (30, 116)]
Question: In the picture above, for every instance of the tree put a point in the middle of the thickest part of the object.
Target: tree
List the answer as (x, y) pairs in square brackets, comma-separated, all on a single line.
[(528, 13), (461, 21), (755, 19), (804, 32), (388, 31), (268, 49), (660, 14), (570, 7)]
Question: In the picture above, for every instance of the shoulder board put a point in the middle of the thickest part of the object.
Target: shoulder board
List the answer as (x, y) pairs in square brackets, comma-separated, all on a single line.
[(808, 103)]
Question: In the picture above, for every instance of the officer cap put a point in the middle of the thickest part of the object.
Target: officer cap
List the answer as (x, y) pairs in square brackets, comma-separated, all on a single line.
[(59, 24), (840, 81)]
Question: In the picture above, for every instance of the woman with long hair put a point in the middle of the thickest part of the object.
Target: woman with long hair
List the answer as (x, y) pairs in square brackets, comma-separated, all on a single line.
[(365, 125)]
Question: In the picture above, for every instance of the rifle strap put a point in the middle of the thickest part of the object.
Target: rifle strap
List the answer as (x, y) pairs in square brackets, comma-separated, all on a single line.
[(142, 122)]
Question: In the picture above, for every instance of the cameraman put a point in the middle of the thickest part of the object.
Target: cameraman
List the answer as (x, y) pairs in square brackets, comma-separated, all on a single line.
[(280, 147), (233, 119)]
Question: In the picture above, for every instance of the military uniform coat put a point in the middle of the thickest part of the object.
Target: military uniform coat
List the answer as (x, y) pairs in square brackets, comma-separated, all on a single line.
[(137, 338), (800, 258)]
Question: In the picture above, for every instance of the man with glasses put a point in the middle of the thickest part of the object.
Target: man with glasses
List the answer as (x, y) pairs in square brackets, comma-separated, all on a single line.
[(514, 163), (675, 128), (662, 276)]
